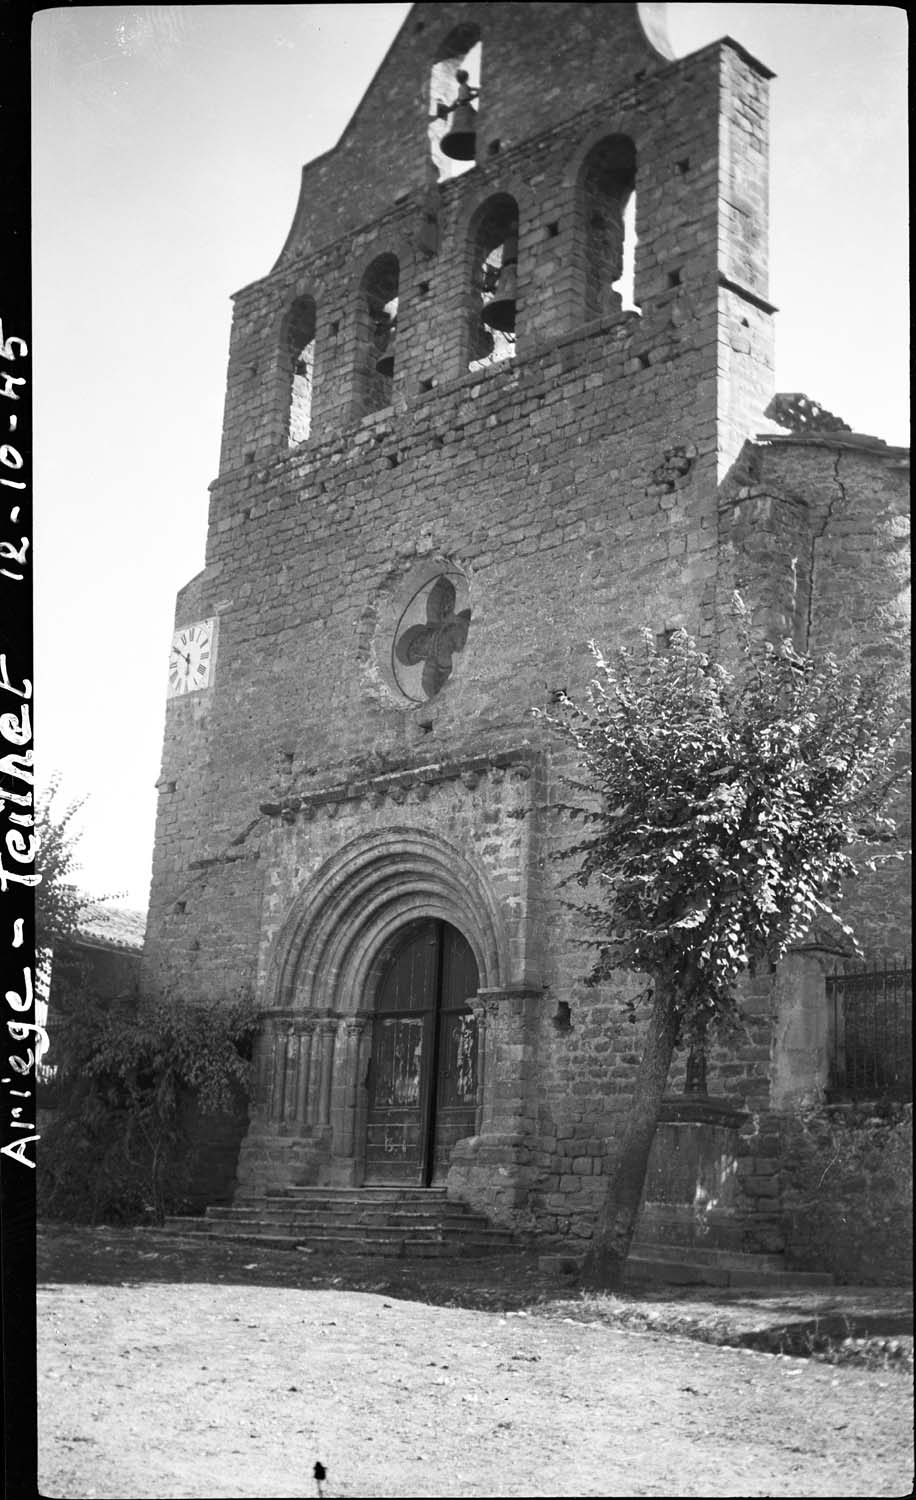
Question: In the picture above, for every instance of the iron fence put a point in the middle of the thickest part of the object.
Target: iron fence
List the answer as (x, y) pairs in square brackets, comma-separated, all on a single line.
[(871, 1017)]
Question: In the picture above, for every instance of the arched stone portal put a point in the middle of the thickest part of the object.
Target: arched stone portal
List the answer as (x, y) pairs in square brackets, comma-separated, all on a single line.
[(310, 1095)]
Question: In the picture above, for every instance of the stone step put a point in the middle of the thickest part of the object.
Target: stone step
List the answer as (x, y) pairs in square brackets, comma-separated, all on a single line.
[(394, 1218), (376, 1244), (682, 1273), (350, 1234), (705, 1255), (662, 1264), (336, 1196), (356, 1205)]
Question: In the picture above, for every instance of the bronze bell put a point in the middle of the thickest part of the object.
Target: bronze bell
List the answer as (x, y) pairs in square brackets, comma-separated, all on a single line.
[(500, 313), (460, 143)]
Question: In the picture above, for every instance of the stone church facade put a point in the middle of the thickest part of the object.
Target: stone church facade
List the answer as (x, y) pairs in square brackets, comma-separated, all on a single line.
[(456, 449)]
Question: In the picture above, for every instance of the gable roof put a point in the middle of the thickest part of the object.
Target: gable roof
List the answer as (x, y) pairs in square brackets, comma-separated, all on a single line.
[(120, 928)]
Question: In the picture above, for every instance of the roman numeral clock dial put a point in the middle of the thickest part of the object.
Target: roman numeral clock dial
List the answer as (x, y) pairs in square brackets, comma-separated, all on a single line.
[(191, 658)]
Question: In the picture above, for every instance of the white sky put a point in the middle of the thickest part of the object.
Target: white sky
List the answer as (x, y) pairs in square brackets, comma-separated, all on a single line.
[(168, 142)]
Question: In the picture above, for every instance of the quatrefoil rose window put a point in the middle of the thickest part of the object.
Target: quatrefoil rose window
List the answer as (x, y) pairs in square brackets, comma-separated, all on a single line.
[(431, 632)]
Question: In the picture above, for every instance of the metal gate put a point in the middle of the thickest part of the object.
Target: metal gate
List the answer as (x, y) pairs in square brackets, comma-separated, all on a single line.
[(871, 1021), (423, 1070)]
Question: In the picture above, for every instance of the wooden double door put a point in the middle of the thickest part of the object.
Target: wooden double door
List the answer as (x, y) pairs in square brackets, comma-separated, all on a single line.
[(423, 1069)]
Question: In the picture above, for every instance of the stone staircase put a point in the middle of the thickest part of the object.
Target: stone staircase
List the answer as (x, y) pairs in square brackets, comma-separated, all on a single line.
[(397, 1221), (423, 1222)]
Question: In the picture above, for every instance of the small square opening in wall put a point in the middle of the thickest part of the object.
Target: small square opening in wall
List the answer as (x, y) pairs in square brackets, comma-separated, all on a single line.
[(683, 166), (180, 908), (426, 726), (335, 327), (494, 147), (553, 230), (563, 1019), (393, 460), (249, 458), (429, 384), (424, 288), (644, 360), (675, 277), (663, 639)]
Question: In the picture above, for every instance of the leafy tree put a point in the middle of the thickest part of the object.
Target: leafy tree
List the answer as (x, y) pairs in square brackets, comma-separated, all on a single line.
[(725, 809), (59, 903)]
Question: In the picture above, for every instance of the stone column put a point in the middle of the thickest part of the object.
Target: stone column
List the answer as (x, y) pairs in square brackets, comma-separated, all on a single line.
[(292, 1075), (306, 1029), (327, 1029), (353, 1029), (275, 1068), (311, 1108), (279, 1090)]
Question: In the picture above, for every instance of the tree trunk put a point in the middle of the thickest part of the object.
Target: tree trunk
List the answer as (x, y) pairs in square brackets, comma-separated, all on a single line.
[(695, 1080), (604, 1264)]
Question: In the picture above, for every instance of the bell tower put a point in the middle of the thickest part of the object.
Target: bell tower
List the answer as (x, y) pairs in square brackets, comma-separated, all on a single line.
[(476, 415)]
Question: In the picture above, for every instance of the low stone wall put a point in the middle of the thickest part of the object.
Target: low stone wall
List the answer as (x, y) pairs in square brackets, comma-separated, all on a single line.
[(847, 1191), (711, 1180)]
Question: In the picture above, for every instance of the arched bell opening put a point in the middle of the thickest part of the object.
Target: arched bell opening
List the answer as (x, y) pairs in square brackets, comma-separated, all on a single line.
[(422, 1080), (298, 355), (607, 196), (378, 332), (454, 92), (493, 305)]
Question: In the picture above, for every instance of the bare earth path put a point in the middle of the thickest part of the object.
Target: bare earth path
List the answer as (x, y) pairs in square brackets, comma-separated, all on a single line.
[(188, 1389)]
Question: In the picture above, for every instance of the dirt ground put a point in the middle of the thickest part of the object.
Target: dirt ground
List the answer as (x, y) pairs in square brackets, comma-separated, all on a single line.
[(170, 1370)]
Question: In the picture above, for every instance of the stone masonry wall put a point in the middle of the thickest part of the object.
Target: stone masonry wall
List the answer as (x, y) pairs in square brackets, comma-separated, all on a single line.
[(848, 1192), (815, 532), (574, 489)]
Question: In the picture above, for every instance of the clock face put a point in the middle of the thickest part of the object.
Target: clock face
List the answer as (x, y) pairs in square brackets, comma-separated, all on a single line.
[(191, 658)]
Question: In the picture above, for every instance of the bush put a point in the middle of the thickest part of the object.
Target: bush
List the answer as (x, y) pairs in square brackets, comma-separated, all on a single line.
[(133, 1082)]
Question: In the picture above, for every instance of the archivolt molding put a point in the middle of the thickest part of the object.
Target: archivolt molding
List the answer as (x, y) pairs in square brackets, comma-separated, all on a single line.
[(359, 898)]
